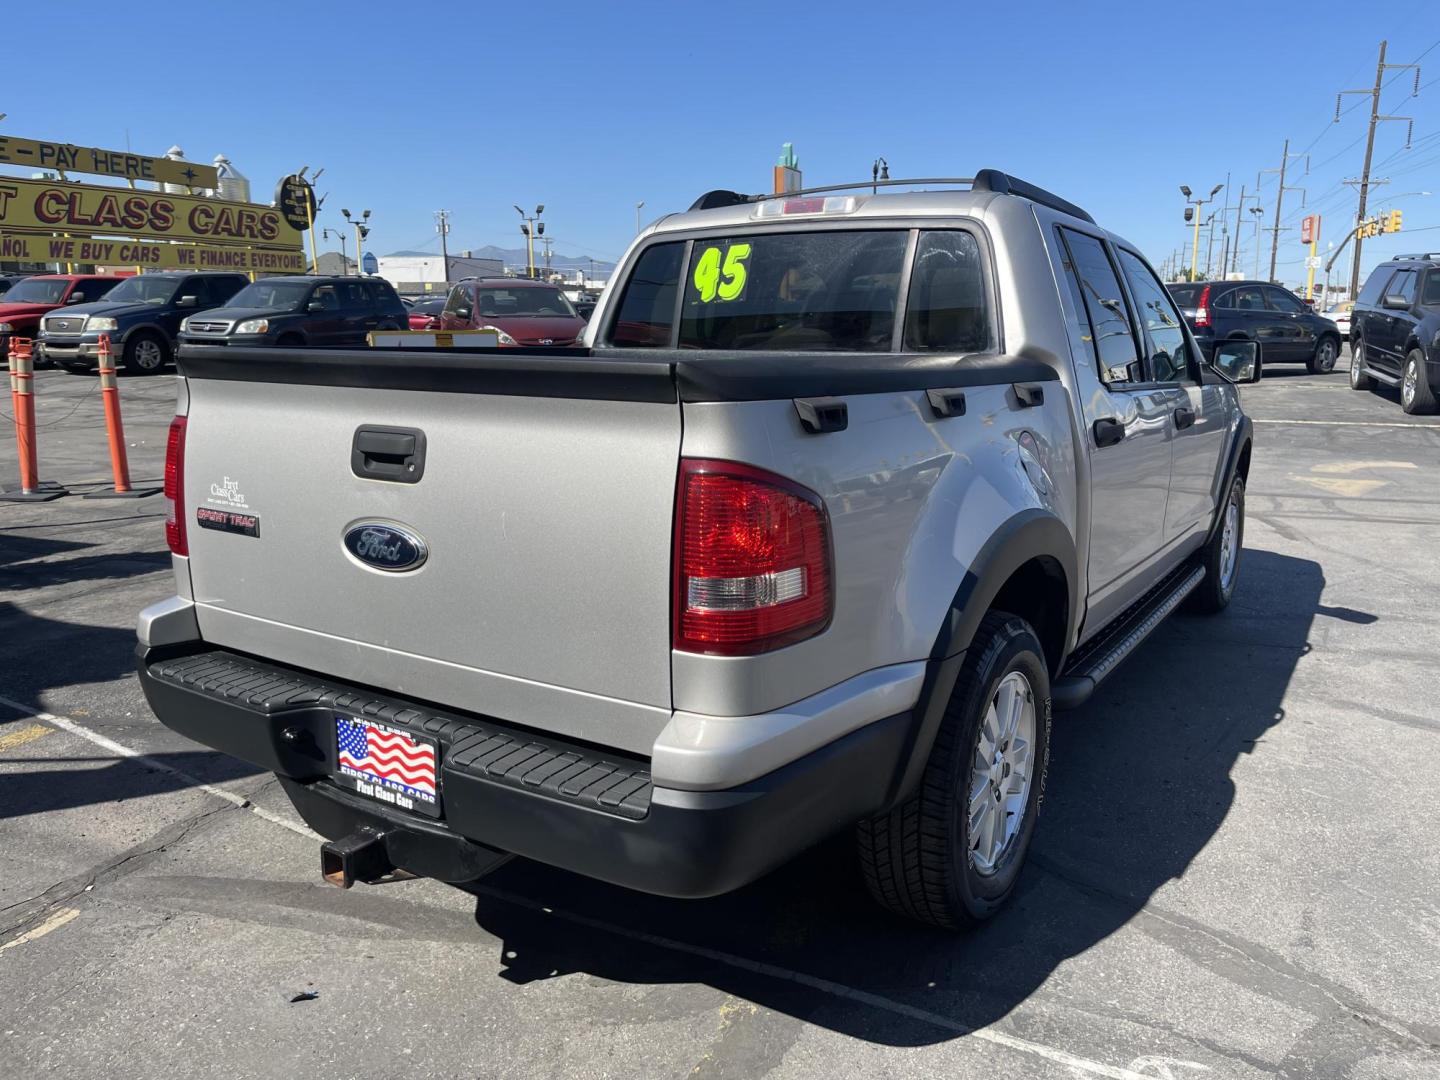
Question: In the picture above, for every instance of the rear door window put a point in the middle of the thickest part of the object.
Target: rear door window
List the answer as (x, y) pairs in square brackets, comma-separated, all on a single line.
[(646, 313), (830, 291), (946, 310), (1111, 331), (1245, 298), (1430, 295)]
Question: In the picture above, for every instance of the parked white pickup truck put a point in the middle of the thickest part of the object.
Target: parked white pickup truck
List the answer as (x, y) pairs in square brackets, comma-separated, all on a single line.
[(844, 493)]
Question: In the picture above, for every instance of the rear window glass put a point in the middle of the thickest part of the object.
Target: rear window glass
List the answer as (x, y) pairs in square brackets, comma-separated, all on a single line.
[(647, 309), (1187, 295), (1370, 294), (946, 310), (821, 291)]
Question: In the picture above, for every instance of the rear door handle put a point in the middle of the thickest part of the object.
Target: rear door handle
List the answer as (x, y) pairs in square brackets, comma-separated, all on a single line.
[(1184, 418), (1108, 431)]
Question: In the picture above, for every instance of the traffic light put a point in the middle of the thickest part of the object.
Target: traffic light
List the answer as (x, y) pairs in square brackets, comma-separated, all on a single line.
[(1392, 222)]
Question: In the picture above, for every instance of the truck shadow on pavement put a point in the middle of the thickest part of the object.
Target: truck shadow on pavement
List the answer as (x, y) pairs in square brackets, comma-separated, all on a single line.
[(1139, 784), (39, 655)]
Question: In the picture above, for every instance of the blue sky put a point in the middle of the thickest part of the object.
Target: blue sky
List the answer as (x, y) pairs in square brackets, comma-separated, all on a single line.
[(591, 108)]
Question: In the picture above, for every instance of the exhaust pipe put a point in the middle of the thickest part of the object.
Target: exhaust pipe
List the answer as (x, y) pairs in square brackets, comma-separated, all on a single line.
[(361, 856)]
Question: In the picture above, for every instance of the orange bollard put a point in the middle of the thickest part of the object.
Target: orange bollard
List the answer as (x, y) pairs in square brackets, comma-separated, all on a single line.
[(22, 396), (115, 431)]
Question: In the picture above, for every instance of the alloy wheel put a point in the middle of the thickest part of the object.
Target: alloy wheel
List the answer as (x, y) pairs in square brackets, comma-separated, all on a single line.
[(1325, 360), (1407, 388), (148, 354), (1000, 775), (1230, 542)]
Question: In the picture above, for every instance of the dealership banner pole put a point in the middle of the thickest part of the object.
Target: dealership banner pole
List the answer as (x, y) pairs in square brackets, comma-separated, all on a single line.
[(115, 431), (22, 396)]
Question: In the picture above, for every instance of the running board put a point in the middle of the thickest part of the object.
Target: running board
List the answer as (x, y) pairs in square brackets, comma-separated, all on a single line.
[(1381, 377), (1100, 656)]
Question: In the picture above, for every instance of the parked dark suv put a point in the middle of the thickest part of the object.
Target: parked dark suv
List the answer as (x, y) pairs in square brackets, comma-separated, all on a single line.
[(1288, 331), (300, 311), (1393, 330), (142, 316)]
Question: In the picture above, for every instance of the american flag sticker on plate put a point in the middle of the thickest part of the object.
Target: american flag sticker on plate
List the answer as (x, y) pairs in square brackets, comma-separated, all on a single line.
[(387, 764)]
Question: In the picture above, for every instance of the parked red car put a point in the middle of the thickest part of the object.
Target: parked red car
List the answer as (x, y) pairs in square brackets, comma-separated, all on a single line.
[(28, 300), (525, 312), (424, 313)]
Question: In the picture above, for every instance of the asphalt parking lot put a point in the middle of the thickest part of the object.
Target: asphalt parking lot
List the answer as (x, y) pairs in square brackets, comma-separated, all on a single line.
[(1234, 875)]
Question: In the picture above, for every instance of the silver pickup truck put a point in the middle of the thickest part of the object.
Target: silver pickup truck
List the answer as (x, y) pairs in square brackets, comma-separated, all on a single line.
[(844, 493)]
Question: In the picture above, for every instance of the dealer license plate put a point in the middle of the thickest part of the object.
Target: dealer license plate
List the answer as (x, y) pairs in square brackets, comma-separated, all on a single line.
[(388, 765)]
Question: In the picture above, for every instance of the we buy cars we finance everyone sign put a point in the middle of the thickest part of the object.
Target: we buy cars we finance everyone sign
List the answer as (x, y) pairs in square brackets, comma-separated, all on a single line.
[(48, 207), (150, 254)]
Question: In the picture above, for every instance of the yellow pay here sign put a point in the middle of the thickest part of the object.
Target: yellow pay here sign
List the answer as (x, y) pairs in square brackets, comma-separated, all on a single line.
[(123, 165)]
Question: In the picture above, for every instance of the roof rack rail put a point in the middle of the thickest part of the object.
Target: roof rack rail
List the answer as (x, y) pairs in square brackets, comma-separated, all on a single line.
[(1005, 184), (1421, 255), (992, 180)]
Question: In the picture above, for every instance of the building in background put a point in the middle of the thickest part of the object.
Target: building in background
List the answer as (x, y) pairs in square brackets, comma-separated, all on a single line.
[(425, 271)]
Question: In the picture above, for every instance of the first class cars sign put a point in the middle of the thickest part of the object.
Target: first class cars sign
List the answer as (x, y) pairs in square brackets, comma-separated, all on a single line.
[(42, 206)]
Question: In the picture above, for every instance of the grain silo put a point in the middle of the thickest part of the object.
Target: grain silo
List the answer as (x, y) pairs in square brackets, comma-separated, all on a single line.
[(233, 185)]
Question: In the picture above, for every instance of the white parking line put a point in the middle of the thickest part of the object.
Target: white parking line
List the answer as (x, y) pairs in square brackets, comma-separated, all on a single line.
[(1349, 423), (988, 1033), (66, 724), (54, 922)]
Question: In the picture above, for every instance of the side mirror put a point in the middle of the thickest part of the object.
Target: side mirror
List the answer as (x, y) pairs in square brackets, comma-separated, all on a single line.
[(462, 313), (1238, 361), (76, 298), (1396, 301), (188, 301), (314, 306)]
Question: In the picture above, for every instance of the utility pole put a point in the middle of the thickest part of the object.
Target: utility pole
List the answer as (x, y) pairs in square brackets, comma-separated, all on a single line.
[(442, 226), (1210, 241), (1239, 207), (547, 242), (1275, 229), (1375, 117)]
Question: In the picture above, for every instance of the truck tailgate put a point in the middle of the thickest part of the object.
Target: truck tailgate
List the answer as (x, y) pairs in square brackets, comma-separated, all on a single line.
[(544, 598)]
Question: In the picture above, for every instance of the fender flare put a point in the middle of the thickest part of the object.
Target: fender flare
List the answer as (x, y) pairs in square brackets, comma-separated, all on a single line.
[(1244, 436), (141, 328), (1027, 535)]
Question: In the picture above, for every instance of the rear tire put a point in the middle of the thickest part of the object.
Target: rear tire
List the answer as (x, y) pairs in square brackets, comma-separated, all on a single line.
[(1327, 351), (1416, 396), (1359, 380), (950, 854), (1221, 556), (146, 354)]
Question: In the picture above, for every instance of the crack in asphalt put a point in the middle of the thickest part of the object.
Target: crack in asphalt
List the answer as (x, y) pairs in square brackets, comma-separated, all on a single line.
[(1270, 974), (64, 891)]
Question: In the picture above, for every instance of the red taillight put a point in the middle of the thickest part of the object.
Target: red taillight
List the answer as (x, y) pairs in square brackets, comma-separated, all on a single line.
[(752, 560), (1202, 308), (175, 488)]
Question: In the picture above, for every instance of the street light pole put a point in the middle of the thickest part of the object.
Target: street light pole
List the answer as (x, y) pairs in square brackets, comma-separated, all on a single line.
[(1197, 203), (362, 230), (532, 227), (344, 258), (638, 207)]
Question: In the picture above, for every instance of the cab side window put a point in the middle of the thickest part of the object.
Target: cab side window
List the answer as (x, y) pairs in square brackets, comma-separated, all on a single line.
[(327, 296), (1169, 359), (1101, 300)]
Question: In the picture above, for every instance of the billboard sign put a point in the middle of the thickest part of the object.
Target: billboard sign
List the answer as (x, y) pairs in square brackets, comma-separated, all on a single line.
[(149, 254), (122, 165), (88, 209), (1310, 229)]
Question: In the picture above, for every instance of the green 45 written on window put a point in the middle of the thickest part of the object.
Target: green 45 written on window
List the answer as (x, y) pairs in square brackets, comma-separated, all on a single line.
[(720, 275)]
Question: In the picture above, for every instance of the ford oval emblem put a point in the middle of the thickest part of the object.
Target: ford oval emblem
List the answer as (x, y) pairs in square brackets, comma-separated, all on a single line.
[(385, 546)]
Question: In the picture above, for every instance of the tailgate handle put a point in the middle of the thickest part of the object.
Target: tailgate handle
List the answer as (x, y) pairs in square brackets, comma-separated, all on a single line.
[(395, 454)]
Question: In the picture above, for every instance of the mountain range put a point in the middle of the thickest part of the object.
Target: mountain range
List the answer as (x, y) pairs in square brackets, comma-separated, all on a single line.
[(517, 257)]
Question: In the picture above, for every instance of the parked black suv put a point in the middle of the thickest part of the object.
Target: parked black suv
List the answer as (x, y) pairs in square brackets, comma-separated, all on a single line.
[(142, 315), (300, 311), (1393, 330), (1288, 331)]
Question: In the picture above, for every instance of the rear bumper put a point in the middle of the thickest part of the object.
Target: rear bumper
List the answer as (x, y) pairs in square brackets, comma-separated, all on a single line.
[(578, 807)]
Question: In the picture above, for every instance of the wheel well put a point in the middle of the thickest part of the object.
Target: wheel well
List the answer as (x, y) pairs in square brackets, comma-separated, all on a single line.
[(1038, 592), (1244, 467)]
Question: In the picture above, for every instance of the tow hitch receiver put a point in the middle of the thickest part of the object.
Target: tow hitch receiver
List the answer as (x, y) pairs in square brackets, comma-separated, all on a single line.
[(361, 856)]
